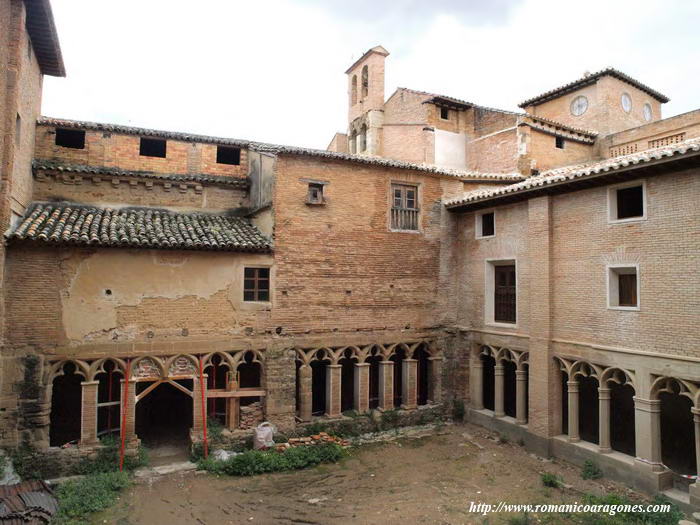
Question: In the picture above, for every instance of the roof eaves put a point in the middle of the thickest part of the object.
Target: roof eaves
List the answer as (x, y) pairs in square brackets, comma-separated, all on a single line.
[(44, 37), (562, 176), (47, 165)]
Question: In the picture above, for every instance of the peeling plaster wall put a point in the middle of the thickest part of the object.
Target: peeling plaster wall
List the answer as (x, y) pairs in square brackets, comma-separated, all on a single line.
[(91, 296)]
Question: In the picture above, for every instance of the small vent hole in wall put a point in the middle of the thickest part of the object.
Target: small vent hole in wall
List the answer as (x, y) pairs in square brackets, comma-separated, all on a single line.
[(278, 330), (108, 292)]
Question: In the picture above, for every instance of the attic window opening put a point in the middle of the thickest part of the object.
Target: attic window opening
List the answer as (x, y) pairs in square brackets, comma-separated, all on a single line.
[(559, 142), (70, 138), (444, 113), (228, 155), (152, 148)]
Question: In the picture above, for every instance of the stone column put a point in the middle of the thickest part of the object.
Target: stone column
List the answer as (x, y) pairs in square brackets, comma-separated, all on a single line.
[(604, 420), (476, 380), (520, 396), (88, 416), (435, 381), (386, 385), (647, 431), (498, 408), (409, 377), (694, 489), (128, 397), (305, 393), (696, 420), (573, 411), (361, 387), (333, 379)]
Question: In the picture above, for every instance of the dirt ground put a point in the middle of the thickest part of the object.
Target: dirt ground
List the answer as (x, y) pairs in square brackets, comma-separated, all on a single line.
[(431, 480)]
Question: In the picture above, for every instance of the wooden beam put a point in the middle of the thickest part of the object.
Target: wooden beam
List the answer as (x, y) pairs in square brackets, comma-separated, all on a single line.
[(241, 392)]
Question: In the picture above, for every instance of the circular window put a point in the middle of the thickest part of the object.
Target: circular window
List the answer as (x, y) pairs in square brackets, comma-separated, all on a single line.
[(647, 112), (579, 105), (626, 102)]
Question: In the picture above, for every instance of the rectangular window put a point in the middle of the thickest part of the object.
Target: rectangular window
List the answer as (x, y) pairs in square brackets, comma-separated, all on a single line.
[(504, 300), (152, 148), (444, 114), (485, 224), (404, 208), (630, 202), (623, 287), (559, 142), (70, 138), (256, 284), (315, 193), (627, 202), (228, 155)]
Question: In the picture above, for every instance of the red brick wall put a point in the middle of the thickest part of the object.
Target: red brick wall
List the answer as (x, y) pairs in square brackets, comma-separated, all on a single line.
[(339, 266), (122, 151)]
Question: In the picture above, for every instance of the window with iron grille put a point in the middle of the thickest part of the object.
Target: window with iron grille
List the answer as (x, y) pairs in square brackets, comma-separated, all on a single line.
[(256, 284), (504, 294), (405, 209)]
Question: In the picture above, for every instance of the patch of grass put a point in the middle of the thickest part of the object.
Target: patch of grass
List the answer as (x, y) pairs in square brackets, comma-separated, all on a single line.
[(78, 499), (107, 459), (390, 419), (31, 464), (591, 470), (550, 480), (255, 462), (520, 519), (214, 429), (458, 410), (502, 438)]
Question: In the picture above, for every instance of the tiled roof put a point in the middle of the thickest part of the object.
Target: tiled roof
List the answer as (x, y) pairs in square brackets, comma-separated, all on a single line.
[(49, 165), (44, 38), (279, 149), (591, 79), (549, 122), (570, 174), (70, 223), (390, 163), (27, 503)]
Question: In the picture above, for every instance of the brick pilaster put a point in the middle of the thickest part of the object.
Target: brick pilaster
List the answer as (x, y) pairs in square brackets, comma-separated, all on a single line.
[(386, 385), (361, 387), (409, 390), (305, 393), (333, 379), (88, 416)]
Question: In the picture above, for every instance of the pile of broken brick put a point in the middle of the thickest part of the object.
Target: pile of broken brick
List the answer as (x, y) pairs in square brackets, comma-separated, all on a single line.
[(316, 439)]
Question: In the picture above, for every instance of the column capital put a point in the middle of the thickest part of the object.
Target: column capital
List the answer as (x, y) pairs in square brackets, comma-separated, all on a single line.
[(647, 405), (386, 363), (361, 364), (572, 385), (335, 366), (521, 375), (88, 383), (604, 393), (436, 358)]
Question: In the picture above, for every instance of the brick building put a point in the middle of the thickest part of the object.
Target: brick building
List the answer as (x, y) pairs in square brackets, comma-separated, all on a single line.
[(540, 267)]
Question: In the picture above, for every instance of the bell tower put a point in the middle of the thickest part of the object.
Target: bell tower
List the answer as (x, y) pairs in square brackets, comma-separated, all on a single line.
[(366, 102)]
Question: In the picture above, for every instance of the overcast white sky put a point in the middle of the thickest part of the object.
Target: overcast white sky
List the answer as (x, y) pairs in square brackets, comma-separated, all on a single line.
[(273, 70)]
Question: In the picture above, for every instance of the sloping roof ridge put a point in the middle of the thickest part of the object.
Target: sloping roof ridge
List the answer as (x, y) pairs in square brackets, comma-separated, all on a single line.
[(109, 170), (575, 171), (591, 78), (561, 125)]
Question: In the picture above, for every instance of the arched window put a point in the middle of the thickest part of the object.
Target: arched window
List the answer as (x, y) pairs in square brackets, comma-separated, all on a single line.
[(353, 90), (365, 81)]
